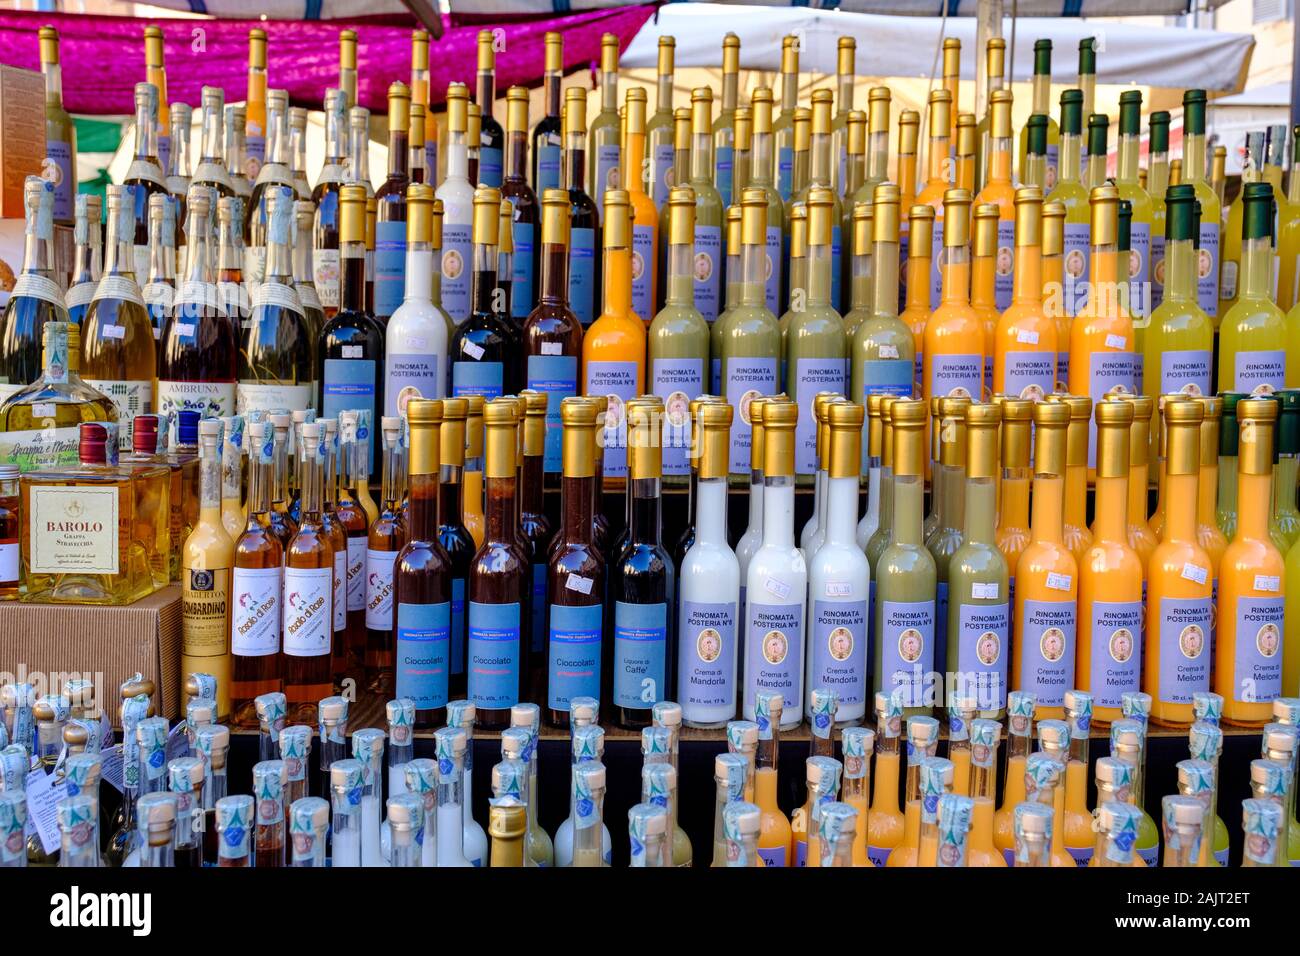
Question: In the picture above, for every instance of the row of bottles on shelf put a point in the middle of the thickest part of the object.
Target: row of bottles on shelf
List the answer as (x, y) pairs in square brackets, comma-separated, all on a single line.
[(175, 809)]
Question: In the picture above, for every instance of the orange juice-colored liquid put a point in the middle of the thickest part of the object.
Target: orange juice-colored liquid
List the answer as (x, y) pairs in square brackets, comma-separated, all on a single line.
[(916, 312), (885, 822), (1079, 837), (908, 849), (774, 836), (1004, 837)]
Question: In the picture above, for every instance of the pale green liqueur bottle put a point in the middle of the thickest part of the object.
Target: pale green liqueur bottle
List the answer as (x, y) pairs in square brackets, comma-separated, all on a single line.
[(783, 127), (819, 177), (679, 341), (751, 345), (860, 270), (708, 208), (732, 298), (678, 175), (604, 152), (815, 345), (724, 127), (659, 128), (946, 537), (760, 177)]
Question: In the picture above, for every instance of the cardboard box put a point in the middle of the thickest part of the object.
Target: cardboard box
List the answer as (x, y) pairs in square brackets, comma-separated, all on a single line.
[(48, 644), (22, 135)]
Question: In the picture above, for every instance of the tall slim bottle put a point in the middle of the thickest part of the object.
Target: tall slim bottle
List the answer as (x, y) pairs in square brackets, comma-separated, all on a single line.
[(483, 349), (983, 279), (534, 526), (709, 208), (525, 210), (645, 219), (308, 591), (948, 489), (1053, 274), (415, 364), (1075, 531), (939, 179), (1047, 583), (724, 127), (1071, 192), (145, 177), (273, 172), (584, 215), (783, 126), (953, 360), (491, 145), (1259, 350), (391, 207), (1179, 342), (604, 159), (1025, 347), (455, 539), (456, 193), (60, 132), (88, 266), (860, 277), (546, 135), (1137, 270), (998, 189), (1194, 172), (760, 177), (325, 198), (36, 297), (1042, 103), (1249, 652)]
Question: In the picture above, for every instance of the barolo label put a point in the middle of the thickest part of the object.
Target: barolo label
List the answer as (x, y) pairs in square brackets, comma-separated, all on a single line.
[(209, 399), (707, 271), (557, 376), (617, 381), (74, 530), (774, 650), (983, 647), (676, 381), (746, 379), (1186, 371), (379, 589), (1047, 651), (582, 274), (494, 651), (708, 658), (906, 647), (1262, 371), (308, 611), (640, 654), (839, 649), (812, 375), (476, 378), (205, 611), (573, 656), (255, 616), (1116, 650), (423, 633), (1257, 660)]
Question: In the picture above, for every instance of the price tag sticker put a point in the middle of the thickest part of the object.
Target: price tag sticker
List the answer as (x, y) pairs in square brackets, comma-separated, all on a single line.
[(1058, 582), (552, 348), (1268, 582), (838, 589), (44, 409), (1027, 337), (416, 342), (113, 331), (185, 328), (984, 592), (778, 588), (889, 351), (1116, 342), (353, 351), (576, 582), (472, 350), (1194, 572)]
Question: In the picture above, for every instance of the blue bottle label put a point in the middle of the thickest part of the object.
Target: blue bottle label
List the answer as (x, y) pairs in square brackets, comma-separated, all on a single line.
[(1116, 652), (1207, 268), (1047, 650), (350, 384), (617, 380), (746, 380), (1075, 264), (1107, 370), (390, 266), (983, 647), (458, 632), (772, 270), (661, 173), (557, 376), (812, 375), (609, 158), (489, 166), (957, 375), (1004, 267), (410, 375), (774, 650), (708, 271), (423, 651), (582, 274), (494, 653), (573, 655), (1029, 375), (538, 608), (1186, 371), (643, 272), (640, 654), (837, 261), (906, 638), (887, 377), (707, 640), (522, 290), (1262, 371), (1139, 269), (548, 167), (677, 381), (457, 257), (476, 378), (1257, 671), (839, 649), (785, 171), (723, 165)]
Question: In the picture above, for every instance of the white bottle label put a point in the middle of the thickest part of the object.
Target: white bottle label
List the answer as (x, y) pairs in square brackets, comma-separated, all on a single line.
[(379, 589), (73, 530), (340, 593), (308, 610), (255, 612), (356, 573)]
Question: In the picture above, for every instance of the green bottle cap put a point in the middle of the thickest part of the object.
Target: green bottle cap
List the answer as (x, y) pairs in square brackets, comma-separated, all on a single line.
[(1098, 126), (1180, 209), (1072, 112), (1125, 239), (1196, 223), (1130, 113), (1042, 57), (1194, 113), (1288, 422), (1159, 142), (1088, 56), (1228, 424), (1037, 134), (1257, 222)]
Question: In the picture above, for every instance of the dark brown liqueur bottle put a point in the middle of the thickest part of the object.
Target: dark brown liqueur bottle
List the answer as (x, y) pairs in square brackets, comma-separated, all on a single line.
[(352, 517), (526, 212), (390, 208), (496, 658), (547, 132), (484, 352), (536, 527), (280, 522), (583, 276), (456, 541), (575, 576), (638, 668), (491, 141), (422, 579)]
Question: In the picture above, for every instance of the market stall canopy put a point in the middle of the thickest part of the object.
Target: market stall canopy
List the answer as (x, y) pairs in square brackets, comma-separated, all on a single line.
[(903, 45), (426, 11), (902, 8)]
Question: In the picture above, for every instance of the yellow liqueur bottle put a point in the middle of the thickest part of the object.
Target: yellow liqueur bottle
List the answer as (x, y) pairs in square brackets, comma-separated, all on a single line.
[(952, 86), (953, 362), (1252, 171), (1041, 104), (983, 280), (1071, 192), (859, 277), (917, 308), (207, 557), (1259, 348), (909, 131), (1053, 260), (940, 176), (1025, 343), (964, 155), (1193, 171), (1157, 181), (1288, 233), (1140, 536), (995, 60), (846, 51), (1012, 535), (1077, 536), (1179, 341), (998, 189)]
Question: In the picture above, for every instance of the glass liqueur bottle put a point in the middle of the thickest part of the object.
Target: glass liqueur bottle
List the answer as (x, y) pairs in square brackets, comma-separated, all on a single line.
[(391, 207), (88, 265), (1025, 346), (882, 354), (1207, 246), (325, 199), (159, 287), (1257, 352), (145, 176), (953, 350), (583, 276), (352, 343), (211, 168), (552, 334), (783, 126), (456, 193), (860, 278), (416, 360), (534, 526), (303, 282), (482, 349), (547, 133), (36, 297), (274, 171), (60, 132), (1179, 342), (236, 155), (525, 208), (604, 161), (492, 137)]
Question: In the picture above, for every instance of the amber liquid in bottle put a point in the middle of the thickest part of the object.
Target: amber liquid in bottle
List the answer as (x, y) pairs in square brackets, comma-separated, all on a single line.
[(281, 523), (338, 537), (352, 517)]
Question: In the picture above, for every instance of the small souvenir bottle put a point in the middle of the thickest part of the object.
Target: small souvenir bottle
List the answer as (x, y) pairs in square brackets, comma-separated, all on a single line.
[(185, 781), (588, 807), (659, 786), (13, 820), (1261, 821), (451, 744), (741, 823), (822, 705), (742, 739), (309, 818), (78, 822), (1183, 818), (730, 771), (295, 751), (823, 778), (857, 744), (422, 781), (234, 824), (156, 815), (400, 714), (270, 709), (647, 830), (268, 792), (406, 824), (954, 829), (508, 829), (333, 736), (528, 718), (462, 713), (1032, 823), (346, 785), (837, 826), (368, 747), (935, 783), (1117, 830)]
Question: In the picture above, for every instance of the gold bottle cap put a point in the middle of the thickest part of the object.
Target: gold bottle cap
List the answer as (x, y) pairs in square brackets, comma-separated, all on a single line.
[(744, 129), (500, 419), (682, 129), (1076, 451), (425, 417), (846, 50), (982, 422), (966, 134), (419, 209), (517, 110), (873, 425), (779, 420), (878, 100), (347, 49), (1114, 422), (864, 215), (920, 231), (473, 125), (1183, 417), (507, 821), (940, 114), (1105, 215), (419, 49), (693, 413), (715, 439), (644, 444), (399, 106), (1017, 413), (884, 226), (1029, 216), (757, 444), (416, 115), (487, 57), (634, 104), (934, 427), (1139, 434), (153, 44), (908, 421), (821, 209), (760, 105), (731, 53), (789, 54), (49, 43), (819, 403), (986, 230), (956, 217), (1213, 405), (535, 404), (1001, 107), (909, 132), (802, 120), (1051, 421), (681, 199), (452, 435), (487, 212), (618, 219), (734, 217), (352, 213), (845, 424), (799, 232), (821, 112), (856, 138), (667, 47), (1053, 228), (555, 51), (952, 431), (701, 110), (505, 231), (887, 430), (995, 50), (555, 217), (1256, 425), (257, 48), (575, 111), (457, 107), (608, 53)]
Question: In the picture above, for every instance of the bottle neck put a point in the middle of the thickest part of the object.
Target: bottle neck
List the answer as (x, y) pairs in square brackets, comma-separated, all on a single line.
[(907, 493), (1180, 262), (1067, 168), (778, 511), (486, 92), (501, 511), (702, 157), (1256, 501), (555, 274), (198, 256), (517, 155), (711, 511), (618, 288), (1180, 511), (681, 278), (485, 278), (575, 161), (146, 135), (819, 275), (1046, 524), (1111, 522), (956, 275), (937, 161), (1027, 282), (761, 160), (643, 511), (578, 499), (1193, 157), (457, 155), (1256, 268)]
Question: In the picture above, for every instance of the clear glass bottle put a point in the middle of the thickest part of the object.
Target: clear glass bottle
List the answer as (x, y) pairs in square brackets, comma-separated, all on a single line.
[(422, 777), (295, 751), (1128, 742), (13, 821), (452, 745), (463, 714), (269, 782), (1261, 820), (368, 747), (406, 823), (345, 783), (88, 265), (588, 799), (158, 814), (1116, 825), (647, 828), (185, 782), (1183, 817), (823, 781), (36, 296), (527, 719), (309, 819)]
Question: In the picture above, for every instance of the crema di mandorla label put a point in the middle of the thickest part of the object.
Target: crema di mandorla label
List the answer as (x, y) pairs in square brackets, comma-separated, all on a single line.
[(74, 530)]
